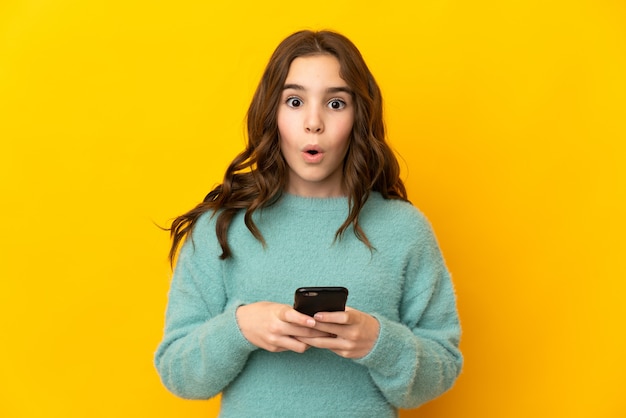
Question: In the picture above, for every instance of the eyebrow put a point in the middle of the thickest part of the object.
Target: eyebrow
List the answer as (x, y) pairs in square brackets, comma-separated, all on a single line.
[(328, 90)]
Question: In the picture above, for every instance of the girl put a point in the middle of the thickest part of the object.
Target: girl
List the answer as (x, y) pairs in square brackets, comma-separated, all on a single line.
[(314, 199)]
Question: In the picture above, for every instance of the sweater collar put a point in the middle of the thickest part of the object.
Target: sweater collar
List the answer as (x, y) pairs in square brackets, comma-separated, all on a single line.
[(317, 204)]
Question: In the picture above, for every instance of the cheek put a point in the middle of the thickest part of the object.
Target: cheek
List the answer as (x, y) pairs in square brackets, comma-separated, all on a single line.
[(348, 136), (280, 123), (285, 141), (348, 128), (285, 127), (345, 130)]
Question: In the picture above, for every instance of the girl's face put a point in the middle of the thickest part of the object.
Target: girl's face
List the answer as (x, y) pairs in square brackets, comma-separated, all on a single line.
[(315, 120)]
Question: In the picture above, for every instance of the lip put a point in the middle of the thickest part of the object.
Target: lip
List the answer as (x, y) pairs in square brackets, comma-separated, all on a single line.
[(312, 154)]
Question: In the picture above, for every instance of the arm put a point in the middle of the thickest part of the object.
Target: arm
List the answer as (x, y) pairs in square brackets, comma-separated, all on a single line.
[(412, 365), (202, 350), (418, 359)]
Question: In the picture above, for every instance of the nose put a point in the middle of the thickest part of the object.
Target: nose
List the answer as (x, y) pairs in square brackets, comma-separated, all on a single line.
[(313, 122)]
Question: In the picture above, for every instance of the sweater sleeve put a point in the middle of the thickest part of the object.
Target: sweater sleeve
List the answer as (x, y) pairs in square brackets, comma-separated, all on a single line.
[(417, 359), (202, 349)]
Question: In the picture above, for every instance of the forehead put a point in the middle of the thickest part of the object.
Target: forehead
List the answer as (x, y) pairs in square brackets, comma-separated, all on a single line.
[(314, 70)]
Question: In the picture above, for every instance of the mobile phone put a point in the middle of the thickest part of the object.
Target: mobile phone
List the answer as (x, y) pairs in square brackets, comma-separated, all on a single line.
[(311, 300)]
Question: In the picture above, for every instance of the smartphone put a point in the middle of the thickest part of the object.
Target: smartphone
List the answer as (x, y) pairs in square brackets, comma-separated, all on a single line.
[(311, 300)]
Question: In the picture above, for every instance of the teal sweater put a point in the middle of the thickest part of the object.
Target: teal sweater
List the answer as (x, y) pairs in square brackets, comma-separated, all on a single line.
[(403, 282)]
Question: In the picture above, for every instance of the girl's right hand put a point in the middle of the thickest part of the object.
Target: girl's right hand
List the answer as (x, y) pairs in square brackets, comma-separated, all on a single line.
[(273, 326)]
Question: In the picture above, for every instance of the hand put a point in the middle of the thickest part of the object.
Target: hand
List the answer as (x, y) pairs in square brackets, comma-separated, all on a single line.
[(356, 333), (276, 327)]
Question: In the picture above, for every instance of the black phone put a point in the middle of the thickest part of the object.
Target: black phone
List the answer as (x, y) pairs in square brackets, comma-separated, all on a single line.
[(311, 300)]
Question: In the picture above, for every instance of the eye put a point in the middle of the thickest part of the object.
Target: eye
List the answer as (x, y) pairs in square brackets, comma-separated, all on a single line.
[(336, 104), (293, 102)]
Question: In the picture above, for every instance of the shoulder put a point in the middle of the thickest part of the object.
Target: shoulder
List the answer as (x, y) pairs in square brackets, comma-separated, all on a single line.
[(394, 213), (202, 237), (396, 222), (205, 225)]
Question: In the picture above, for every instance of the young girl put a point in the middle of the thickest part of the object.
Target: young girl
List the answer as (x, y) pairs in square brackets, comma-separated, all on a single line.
[(315, 199)]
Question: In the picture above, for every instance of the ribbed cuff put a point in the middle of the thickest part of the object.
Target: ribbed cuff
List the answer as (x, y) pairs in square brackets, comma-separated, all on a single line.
[(390, 349)]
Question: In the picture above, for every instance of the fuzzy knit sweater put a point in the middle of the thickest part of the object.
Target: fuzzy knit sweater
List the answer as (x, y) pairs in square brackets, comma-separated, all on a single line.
[(403, 282)]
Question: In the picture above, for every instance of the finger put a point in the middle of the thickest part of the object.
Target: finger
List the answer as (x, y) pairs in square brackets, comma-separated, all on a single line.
[(340, 317), (339, 346), (294, 317), (331, 329), (301, 332), (329, 343), (295, 345), (285, 343)]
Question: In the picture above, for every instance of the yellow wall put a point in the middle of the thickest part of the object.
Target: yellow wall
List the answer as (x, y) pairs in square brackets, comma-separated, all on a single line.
[(510, 116)]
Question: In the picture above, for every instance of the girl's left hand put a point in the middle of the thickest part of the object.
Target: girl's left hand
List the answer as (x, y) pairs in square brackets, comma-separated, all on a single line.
[(356, 333)]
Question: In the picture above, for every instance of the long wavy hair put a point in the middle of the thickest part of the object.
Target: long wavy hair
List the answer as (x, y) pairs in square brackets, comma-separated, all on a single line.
[(258, 175)]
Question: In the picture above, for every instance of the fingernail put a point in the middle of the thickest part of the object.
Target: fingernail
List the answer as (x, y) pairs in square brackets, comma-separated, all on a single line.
[(310, 322)]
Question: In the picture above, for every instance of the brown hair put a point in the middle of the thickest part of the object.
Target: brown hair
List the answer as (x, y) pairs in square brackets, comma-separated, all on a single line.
[(258, 175)]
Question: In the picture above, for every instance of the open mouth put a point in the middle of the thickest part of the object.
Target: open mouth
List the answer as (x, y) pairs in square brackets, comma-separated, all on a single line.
[(313, 155)]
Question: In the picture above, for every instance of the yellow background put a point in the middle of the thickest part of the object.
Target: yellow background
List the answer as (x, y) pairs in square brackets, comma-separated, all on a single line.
[(509, 117)]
